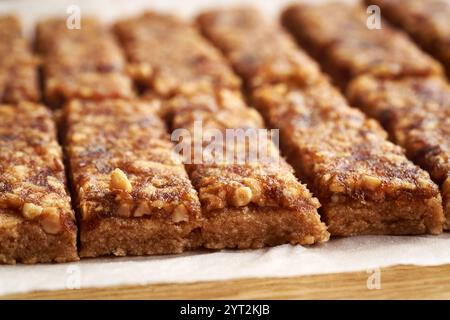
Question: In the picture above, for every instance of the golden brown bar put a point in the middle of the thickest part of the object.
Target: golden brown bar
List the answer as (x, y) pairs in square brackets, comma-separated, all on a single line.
[(261, 53), (245, 203), (83, 63), (337, 35), (248, 200), (365, 184), (37, 223), (169, 57), (426, 21), (18, 67), (416, 113), (132, 192)]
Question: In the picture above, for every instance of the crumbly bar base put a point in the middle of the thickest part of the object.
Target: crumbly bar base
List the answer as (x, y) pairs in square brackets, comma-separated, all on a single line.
[(142, 237), (397, 217), (256, 227), (26, 242)]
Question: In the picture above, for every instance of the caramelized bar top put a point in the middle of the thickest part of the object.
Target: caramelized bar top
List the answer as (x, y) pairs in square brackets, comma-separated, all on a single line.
[(170, 57), (264, 182), (426, 21), (225, 109), (18, 67), (345, 152), (260, 52), (339, 33), (10, 28), (84, 63), (123, 163), (90, 48), (90, 85), (417, 114), (32, 178)]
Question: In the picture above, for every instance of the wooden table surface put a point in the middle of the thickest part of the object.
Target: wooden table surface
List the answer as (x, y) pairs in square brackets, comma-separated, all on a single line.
[(399, 282)]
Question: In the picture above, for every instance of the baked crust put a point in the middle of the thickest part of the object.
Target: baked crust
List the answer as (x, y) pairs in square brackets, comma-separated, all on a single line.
[(127, 177), (18, 66), (246, 203), (344, 157), (170, 57), (237, 32), (425, 21), (37, 223), (357, 50), (81, 63), (416, 112), (365, 184)]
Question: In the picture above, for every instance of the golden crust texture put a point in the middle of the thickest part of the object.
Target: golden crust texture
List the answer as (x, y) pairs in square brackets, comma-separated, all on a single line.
[(261, 53), (124, 169), (170, 57), (348, 162), (81, 63), (18, 66), (246, 201), (425, 21), (416, 112), (37, 223), (356, 49)]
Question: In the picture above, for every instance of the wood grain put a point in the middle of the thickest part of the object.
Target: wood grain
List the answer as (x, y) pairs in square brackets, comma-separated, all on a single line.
[(399, 282)]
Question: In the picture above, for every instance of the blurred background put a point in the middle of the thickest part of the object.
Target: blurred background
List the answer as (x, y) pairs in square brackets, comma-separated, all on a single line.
[(108, 10)]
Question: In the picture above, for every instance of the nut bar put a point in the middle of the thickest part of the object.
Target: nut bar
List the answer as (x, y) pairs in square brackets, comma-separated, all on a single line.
[(169, 57), (416, 113), (365, 184), (425, 21), (246, 202), (18, 67), (338, 35), (260, 52), (83, 63), (37, 223), (133, 194)]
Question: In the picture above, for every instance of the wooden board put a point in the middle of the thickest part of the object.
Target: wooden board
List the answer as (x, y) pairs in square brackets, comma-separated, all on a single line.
[(399, 282)]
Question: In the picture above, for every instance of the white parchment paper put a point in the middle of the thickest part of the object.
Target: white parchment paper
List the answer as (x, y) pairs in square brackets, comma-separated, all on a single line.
[(338, 255)]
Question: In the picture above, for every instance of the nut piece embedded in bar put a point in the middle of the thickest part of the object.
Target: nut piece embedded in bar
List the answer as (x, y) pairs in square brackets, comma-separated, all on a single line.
[(247, 204), (416, 113), (119, 181), (135, 194), (37, 223), (363, 181)]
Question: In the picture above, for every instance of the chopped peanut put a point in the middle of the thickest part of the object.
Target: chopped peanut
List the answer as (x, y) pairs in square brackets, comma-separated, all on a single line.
[(119, 181)]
